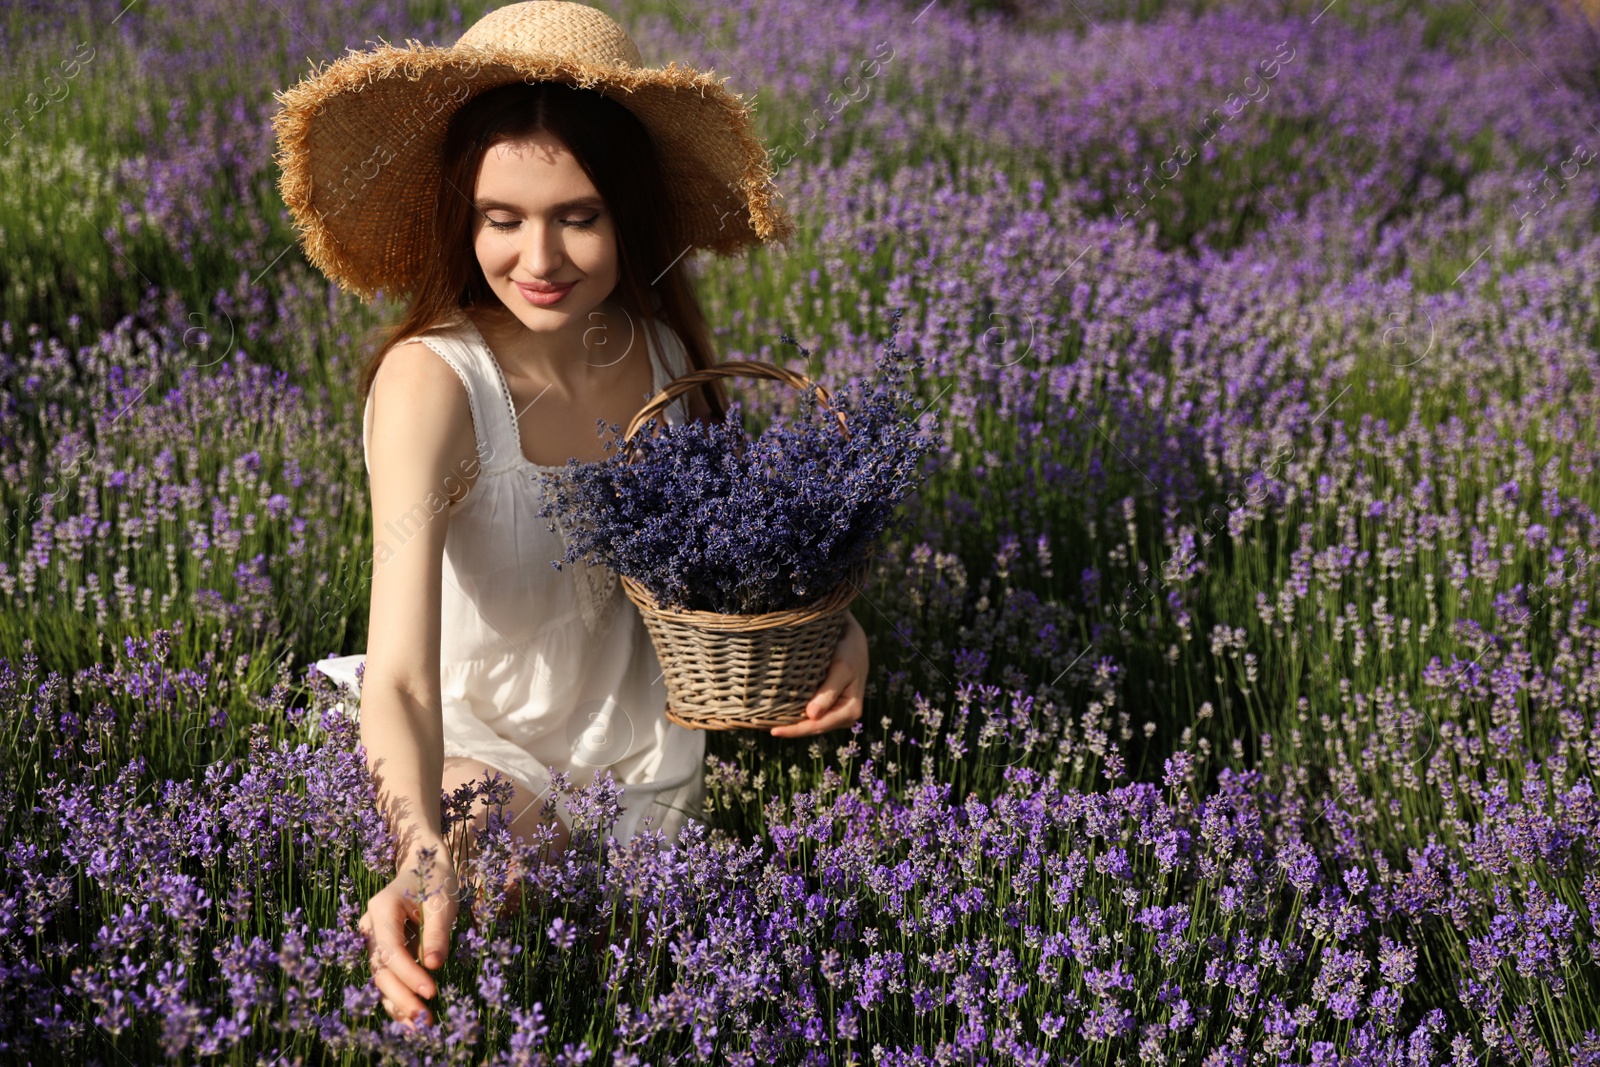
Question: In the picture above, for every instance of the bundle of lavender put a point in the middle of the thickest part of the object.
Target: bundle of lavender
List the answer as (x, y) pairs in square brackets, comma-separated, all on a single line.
[(708, 519)]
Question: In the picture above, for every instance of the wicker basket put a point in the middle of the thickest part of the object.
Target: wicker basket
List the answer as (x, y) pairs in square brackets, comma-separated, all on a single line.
[(729, 672)]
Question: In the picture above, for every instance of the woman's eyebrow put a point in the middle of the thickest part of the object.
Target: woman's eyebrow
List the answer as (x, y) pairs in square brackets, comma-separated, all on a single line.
[(490, 204)]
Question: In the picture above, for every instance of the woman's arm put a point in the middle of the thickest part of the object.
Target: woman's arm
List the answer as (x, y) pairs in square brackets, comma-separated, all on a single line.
[(421, 425), (422, 445)]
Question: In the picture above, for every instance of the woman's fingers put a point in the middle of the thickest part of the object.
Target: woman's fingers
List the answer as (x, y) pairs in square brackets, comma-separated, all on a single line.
[(389, 953), (836, 703), (845, 711), (398, 929), (839, 675), (439, 918), (401, 1003), (805, 728), (843, 714)]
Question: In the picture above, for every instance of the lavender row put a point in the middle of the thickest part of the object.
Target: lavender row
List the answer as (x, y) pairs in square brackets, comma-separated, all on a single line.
[(876, 913)]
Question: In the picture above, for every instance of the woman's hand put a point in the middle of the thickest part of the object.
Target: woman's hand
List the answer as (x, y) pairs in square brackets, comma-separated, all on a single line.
[(390, 924), (838, 702)]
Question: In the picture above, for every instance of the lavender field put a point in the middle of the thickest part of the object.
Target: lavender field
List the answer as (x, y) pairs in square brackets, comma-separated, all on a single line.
[(1235, 698)]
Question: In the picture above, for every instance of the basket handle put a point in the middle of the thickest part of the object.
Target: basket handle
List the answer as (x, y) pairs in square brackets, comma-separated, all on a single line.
[(735, 368)]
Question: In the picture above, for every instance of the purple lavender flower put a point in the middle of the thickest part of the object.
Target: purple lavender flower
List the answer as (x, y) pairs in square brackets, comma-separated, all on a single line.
[(708, 520)]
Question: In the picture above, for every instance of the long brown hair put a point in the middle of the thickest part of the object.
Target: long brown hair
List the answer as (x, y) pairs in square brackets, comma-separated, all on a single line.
[(618, 154)]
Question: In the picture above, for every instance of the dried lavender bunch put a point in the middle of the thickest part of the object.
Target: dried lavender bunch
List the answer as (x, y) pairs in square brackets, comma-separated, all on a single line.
[(709, 519)]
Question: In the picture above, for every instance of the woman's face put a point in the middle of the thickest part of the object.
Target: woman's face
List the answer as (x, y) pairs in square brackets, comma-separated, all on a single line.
[(541, 224)]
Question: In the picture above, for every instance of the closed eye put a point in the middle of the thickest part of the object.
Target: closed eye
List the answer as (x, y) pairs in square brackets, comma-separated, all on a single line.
[(581, 224)]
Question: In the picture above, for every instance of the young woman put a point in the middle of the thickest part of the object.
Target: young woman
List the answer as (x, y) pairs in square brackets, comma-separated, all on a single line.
[(539, 228)]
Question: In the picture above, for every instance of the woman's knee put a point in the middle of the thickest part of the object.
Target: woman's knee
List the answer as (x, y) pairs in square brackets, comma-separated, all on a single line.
[(523, 813)]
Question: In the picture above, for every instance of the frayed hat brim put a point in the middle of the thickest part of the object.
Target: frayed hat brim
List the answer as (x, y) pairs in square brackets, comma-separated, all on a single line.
[(359, 144)]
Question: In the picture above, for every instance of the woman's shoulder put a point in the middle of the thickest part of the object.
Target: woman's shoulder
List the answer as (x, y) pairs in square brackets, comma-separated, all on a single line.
[(419, 386), (422, 378), (418, 410)]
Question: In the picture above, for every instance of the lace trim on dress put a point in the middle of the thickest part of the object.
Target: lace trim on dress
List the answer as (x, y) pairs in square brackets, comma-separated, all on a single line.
[(597, 589)]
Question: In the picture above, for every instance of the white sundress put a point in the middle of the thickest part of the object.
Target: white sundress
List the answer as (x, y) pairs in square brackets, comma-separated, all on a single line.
[(539, 668)]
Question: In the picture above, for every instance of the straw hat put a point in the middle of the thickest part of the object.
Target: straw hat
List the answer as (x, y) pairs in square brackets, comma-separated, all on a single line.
[(359, 141)]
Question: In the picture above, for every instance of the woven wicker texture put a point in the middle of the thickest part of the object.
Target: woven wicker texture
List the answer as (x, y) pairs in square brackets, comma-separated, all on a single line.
[(586, 35), (359, 141), (727, 672)]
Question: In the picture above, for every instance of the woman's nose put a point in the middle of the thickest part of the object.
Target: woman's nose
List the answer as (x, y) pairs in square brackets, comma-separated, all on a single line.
[(541, 251)]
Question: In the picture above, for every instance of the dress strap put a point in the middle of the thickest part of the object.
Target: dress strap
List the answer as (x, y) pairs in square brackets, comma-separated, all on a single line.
[(464, 348)]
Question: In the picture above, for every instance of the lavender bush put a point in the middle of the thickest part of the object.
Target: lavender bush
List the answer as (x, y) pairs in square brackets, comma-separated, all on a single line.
[(876, 914), (707, 519)]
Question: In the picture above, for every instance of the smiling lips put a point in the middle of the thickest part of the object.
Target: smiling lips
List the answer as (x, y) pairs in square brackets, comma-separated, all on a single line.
[(543, 293)]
